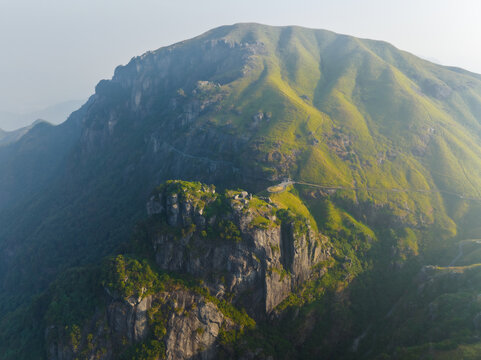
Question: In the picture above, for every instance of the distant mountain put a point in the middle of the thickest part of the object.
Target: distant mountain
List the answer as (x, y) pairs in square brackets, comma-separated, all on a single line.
[(384, 149), (54, 114), (29, 158), (8, 137)]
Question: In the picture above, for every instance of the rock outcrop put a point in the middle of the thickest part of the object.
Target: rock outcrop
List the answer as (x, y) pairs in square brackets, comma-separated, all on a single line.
[(129, 318), (193, 331), (251, 251), (243, 251), (186, 323)]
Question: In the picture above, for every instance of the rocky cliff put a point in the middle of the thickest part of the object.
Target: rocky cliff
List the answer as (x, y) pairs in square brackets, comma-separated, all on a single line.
[(243, 247), (178, 324), (239, 252)]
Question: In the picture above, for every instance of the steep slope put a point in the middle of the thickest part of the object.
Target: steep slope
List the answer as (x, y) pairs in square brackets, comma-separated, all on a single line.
[(31, 156), (9, 137), (376, 137), (438, 315), (205, 266)]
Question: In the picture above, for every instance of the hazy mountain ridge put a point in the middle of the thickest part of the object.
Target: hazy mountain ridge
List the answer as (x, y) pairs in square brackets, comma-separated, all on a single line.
[(55, 114), (8, 137), (247, 105)]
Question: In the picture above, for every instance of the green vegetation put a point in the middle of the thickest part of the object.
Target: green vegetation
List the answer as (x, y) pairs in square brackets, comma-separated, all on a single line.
[(69, 306), (130, 278), (442, 321), (199, 194), (154, 282), (391, 141), (151, 350), (217, 209), (228, 231), (290, 200), (73, 297), (260, 222)]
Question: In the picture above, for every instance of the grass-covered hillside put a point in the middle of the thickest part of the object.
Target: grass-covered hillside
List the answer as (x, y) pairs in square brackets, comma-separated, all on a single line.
[(335, 110)]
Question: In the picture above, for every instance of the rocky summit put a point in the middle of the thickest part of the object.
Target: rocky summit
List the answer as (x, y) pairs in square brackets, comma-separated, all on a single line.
[(267, 253), (325, 205)]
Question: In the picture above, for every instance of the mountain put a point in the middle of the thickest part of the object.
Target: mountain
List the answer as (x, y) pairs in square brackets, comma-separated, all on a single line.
[(382, 147), (8, 137), (54, 114)]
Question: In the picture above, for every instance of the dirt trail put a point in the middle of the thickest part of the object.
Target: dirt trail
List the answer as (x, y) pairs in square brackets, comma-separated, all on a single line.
[(283, 185), (461, 250)]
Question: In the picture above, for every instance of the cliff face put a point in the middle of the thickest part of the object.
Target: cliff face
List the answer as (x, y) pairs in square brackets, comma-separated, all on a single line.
[(251, 252), (150, 110), (244, 253), (189, 327)]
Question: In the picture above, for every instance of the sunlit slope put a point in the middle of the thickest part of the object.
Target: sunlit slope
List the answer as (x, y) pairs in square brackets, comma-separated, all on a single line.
[(359, 113)]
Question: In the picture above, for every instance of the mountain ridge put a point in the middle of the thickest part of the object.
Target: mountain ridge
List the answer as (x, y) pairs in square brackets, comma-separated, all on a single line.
[(56, 114), (92, 135), (246, 106), (8, 137)]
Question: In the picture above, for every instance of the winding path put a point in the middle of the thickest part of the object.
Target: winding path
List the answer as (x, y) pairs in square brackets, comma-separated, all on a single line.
[(283, 185), (280, 187), (461, 251)]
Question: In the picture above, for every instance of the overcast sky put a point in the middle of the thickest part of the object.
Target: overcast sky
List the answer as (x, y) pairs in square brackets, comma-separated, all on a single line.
[(57, 50)]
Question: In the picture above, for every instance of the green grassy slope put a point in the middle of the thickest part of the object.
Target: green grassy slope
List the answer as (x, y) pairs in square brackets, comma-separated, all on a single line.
[(360, 113)]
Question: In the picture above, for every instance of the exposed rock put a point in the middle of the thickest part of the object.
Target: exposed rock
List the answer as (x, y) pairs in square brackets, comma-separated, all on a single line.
[(129, 319), (246, 252), (154, 206), (259, 268), (340, 143), (193, 335), (192, 327), (260, 117)]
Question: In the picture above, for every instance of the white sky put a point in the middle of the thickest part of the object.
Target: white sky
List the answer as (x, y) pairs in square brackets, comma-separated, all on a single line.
[(57, 50)]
